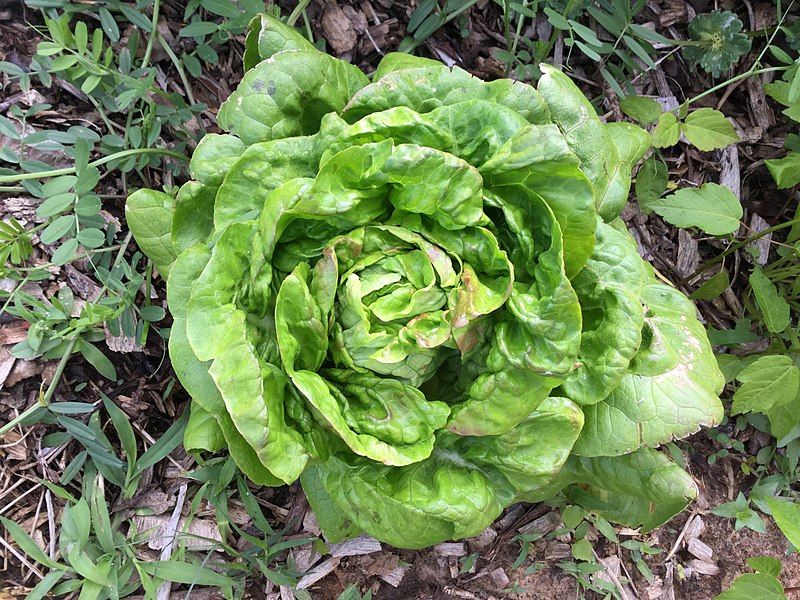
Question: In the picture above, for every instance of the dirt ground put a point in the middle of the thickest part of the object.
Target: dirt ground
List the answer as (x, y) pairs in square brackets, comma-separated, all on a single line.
[(361, 32)]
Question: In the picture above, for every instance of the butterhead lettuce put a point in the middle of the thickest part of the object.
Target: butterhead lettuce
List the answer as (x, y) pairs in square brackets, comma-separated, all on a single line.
[(414, 294)]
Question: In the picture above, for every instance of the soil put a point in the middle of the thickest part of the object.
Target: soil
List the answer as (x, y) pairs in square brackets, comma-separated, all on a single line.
[(362, 32)]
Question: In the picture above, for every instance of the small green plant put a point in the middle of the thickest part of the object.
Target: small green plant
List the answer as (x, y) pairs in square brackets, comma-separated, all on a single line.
[(763, 583), (740, 510), (716, 41)]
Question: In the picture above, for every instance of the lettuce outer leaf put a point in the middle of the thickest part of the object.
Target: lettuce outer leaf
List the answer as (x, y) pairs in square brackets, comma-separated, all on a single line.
[(268, 36), (252, 389), (632, 143), (149, 217), (460, 489), (587, 137), (671, 389), (609, 288), (642, 489), (202, 431), (288, 94), (425, 88)]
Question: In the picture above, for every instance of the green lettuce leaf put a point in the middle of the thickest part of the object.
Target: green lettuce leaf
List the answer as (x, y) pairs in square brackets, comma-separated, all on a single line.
[(671, 389), (460, 489), (287, 95), (268, 36), (149, 217), (587, 137), (609, 289), (643, 489)]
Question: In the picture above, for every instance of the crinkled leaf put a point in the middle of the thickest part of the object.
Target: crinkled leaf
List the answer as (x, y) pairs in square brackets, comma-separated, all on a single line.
[(268, 36), (586, 136), (608, 288), (193, 219), (670, 390), (426, 88), (537, 158), (219, 330), (214, 155), (287, 95), (193, 374), (453, 493), (643, 489)]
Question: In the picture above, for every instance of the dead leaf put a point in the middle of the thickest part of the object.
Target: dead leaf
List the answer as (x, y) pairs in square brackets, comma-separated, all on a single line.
[(6, 364), (23, 369), (14, 446), (200, 535)]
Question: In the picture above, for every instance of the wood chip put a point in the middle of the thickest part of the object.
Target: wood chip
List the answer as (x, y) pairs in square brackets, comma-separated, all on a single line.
[(499, 578), (760, 110), (557, 551), (702, 567), (394, 577), (338, 29), (22, 208), (14, 332), (361, 545), (762, 244), (700, 549), (612, 573), (323, 569), (688, 257), (694, 528), (729, 175), (483, 540), (543, 525), (305, 557), (508, 519), (286, 593), (451, 549), (6, 363)]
